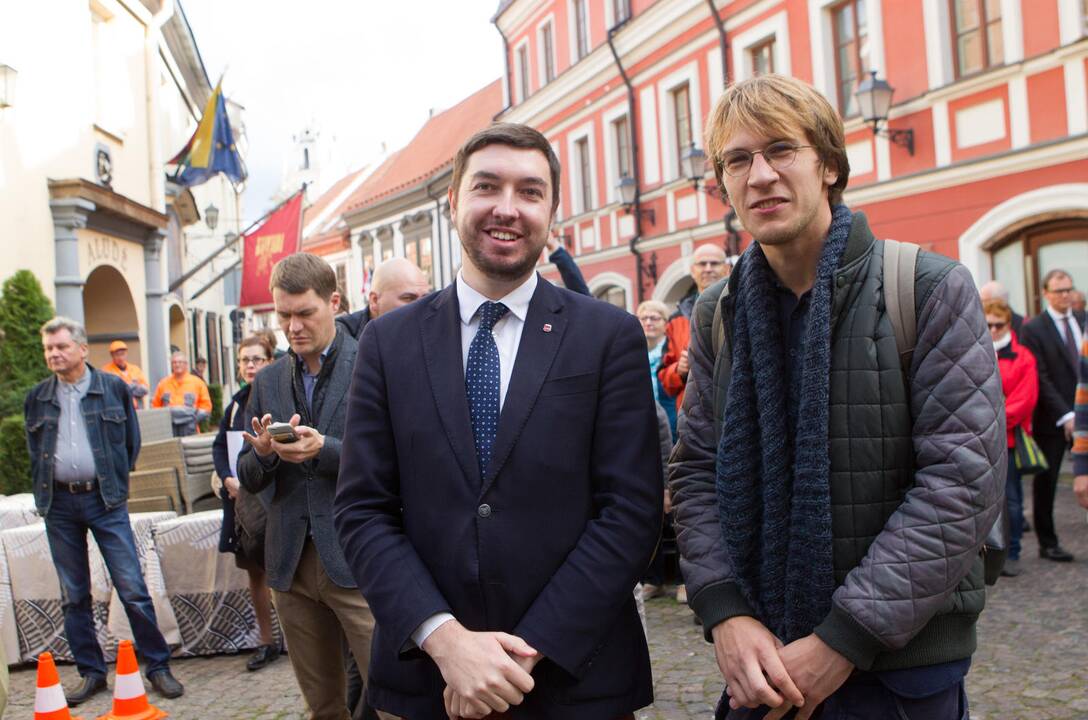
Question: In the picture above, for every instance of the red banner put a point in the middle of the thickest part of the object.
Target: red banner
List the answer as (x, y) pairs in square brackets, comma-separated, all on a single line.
[(275, 239)]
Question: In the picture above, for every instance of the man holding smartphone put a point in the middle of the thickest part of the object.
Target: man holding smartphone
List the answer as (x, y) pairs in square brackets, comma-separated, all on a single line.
[(313, 589)]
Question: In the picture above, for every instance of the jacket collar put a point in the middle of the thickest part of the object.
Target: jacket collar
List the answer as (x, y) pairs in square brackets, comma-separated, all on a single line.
[(49, 391)]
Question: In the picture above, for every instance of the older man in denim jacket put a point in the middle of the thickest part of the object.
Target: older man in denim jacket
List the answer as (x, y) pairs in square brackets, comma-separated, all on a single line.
[(83, 439)]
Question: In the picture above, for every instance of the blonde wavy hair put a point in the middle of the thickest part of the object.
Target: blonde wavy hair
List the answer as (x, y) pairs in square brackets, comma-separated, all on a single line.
[(779, 106)]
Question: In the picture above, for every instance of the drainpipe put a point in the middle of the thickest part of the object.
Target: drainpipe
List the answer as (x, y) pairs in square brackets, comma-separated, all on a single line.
[(636, 168), (722, 42), (506, 76)]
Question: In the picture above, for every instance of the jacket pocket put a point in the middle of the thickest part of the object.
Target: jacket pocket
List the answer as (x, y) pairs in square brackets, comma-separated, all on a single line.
[(113, 425), (569, 385)]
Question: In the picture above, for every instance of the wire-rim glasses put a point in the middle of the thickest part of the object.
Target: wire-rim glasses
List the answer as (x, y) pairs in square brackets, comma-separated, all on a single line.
[(779, 155)]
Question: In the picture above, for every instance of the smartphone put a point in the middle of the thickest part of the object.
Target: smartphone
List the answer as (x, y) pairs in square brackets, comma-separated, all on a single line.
[(283, 432)]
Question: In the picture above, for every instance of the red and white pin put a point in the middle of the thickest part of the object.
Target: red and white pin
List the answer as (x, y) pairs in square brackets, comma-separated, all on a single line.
[(547, 327)]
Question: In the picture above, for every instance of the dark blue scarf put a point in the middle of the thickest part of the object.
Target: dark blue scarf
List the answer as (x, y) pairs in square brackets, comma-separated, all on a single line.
[(776, 518)]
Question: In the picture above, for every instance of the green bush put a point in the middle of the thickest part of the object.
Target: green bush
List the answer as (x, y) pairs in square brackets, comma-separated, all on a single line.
[(24, 308), (212, 422), (15, 475)]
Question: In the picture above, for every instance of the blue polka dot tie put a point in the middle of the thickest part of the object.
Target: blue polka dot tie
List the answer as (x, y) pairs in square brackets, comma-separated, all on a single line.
[(482, 382)]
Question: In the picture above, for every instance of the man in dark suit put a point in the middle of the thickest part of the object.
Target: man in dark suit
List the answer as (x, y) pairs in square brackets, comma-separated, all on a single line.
[(501, 492), (313, 589), (1054, 337)]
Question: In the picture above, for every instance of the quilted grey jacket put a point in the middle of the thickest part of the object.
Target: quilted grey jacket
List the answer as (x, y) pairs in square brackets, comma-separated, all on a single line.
[(916, 482)]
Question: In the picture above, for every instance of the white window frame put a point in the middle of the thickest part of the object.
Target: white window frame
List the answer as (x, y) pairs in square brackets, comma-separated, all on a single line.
[(572, 23), (612, 151), (775, 28), (521, 73), (541, 62), (823, 44), (936, 15), (583, 132), (688, 74)]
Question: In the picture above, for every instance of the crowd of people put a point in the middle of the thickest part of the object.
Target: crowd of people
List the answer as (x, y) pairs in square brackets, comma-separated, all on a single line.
[(456, 491)]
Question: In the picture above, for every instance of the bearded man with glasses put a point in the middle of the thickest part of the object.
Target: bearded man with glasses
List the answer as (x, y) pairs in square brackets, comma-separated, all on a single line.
[(831, 499)]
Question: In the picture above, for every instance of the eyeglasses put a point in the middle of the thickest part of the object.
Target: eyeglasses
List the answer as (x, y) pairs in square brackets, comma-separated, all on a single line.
[(708, 264), (252, 360), (651, 318), (779, 156), (997, 326), (1061, 291)]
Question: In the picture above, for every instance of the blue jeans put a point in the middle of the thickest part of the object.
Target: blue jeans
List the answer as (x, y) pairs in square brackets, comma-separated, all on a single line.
[(66, 526), (1014, 503)]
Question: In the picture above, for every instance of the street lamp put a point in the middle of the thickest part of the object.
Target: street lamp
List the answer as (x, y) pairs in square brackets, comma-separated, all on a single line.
[(7, 86), (211, 216), (693, 162), (875, 100), (626, 188)]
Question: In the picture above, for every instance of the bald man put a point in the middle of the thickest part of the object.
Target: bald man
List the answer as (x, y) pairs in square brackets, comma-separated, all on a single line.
[(708, 266), (994, 290), (397, 282)]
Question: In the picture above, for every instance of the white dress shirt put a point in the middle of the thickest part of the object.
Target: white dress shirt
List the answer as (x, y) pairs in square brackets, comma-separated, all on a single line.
[(507, 334), (1078, 339)]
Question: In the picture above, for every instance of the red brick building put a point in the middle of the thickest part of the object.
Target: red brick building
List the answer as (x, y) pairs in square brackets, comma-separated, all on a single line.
[(992, 91)]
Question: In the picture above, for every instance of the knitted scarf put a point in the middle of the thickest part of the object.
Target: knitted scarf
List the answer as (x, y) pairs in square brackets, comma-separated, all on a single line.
[(776, 514)]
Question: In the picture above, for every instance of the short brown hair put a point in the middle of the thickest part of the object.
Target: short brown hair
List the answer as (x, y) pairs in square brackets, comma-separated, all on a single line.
[(260, 341), (295, 274), (997, 306), (778, 106), (1055, 274), (512, 135)]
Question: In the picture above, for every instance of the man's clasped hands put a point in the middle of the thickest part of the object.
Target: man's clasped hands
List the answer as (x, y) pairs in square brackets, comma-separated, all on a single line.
[(489, 672)]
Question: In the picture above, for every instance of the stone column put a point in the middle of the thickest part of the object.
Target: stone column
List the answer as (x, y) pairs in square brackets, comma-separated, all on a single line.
[(69, 215), (157, 344)]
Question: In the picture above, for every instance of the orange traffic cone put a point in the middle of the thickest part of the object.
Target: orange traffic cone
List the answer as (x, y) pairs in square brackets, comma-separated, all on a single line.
[(129, 698), (49, 702)]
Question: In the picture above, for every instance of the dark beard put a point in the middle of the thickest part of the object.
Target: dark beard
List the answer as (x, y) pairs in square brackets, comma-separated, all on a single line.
[(496, 270)]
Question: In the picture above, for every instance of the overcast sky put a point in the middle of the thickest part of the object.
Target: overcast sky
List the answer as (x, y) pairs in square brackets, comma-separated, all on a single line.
[(364, 71)]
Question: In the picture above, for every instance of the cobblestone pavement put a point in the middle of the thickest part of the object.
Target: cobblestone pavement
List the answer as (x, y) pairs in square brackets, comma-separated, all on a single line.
[(1032, 660)]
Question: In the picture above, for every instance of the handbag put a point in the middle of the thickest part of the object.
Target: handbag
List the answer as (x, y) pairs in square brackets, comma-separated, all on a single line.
[(1029, 456)]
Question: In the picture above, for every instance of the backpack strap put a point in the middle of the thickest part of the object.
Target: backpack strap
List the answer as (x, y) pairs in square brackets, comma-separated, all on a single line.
[(717, 329), (900, 262)]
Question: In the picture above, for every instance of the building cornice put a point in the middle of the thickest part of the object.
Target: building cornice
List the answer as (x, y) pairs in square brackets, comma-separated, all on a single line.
[(107, 201), (1042, 155)]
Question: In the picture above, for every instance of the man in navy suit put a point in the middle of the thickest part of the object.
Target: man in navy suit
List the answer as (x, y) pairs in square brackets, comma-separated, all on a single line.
[(1053, 337), (500, 493)]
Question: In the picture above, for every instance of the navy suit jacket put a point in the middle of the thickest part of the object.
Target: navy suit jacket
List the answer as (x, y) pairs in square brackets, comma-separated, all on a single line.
[(548, 545)]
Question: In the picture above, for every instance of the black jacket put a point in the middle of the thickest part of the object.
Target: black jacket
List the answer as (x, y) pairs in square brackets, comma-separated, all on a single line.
[(353, 323), (1057, 372)]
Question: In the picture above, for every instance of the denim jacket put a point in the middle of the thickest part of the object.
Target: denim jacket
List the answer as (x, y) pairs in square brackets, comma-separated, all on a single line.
[(112, 430)]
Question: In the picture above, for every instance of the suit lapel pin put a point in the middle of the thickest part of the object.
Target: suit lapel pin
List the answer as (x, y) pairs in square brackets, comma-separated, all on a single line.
[(547, 327)]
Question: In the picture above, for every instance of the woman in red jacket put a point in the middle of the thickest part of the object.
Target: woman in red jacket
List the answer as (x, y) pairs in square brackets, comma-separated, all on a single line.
[(1020, 382)]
